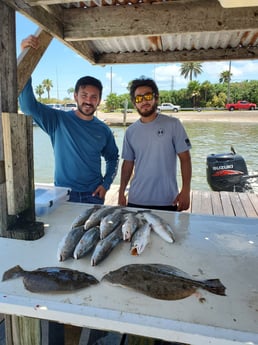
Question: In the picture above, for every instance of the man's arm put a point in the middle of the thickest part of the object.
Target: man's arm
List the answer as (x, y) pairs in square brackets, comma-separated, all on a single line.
[(183, 198), (126, 173)]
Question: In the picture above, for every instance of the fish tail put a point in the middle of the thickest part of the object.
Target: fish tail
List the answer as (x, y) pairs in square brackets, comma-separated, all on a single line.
[(215, 286), (13, 272)]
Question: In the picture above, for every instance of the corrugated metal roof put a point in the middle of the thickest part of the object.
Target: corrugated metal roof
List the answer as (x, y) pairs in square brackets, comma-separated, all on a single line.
[(121, 31)]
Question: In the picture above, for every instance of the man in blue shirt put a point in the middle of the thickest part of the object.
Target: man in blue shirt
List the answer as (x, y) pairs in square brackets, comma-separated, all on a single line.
[(79, 139)]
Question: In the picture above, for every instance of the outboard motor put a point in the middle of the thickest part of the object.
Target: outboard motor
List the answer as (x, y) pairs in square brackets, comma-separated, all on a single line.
[(227, 172)]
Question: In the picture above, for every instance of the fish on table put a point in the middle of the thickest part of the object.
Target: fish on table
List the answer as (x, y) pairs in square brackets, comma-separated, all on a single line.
[(105, 246), (87, 242), (130, 224), (51, 279), (160, 226), (81, 219), (68, 243), (162, 281), (95, 218), (110, 222), (140, 239)]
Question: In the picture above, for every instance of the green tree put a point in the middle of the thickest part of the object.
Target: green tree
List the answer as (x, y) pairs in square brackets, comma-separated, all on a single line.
[(206, 90), (47, 84), (225, 77), (112, 102), (39, 91), (190, 69), (193, 91), (70, 91), (218, 101)]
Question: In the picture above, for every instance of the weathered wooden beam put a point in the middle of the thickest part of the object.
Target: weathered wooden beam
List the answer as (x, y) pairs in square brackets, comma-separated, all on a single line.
[(46, 20), (239, 53), (29, 58), (17, 191), (15, 150), (4, 10), (177, 17), (50, 20)]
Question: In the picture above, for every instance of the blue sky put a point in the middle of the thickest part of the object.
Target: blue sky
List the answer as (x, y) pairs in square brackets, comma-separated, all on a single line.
[(61, 65)]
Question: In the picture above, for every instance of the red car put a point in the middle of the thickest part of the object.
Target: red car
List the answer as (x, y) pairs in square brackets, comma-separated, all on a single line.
[(240, 105)]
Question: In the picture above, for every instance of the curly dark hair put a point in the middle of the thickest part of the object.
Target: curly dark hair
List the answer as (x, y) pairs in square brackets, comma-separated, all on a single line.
[(143, 81)]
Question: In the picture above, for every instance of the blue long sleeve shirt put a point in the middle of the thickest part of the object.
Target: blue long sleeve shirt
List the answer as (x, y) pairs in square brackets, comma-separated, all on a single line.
[(78, 145)]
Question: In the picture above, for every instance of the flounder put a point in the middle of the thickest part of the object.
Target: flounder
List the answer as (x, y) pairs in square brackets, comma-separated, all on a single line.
[(50, 279), (161, 281)]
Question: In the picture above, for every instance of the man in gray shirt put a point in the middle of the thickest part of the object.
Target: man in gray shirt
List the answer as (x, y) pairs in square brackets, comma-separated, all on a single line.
[(150, 150)]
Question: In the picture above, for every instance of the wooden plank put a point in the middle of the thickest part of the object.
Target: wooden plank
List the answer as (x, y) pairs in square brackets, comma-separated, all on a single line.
[(196, 201), (216, 204), (15, 148), (254, 200), (3, 192), (247, 205), (8, 61), (237, 205), (226, 204), (206, 204), (29, 58), (177, 16)]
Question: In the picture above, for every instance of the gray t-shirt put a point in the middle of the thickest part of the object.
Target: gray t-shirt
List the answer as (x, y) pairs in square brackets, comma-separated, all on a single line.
[(154, 147)]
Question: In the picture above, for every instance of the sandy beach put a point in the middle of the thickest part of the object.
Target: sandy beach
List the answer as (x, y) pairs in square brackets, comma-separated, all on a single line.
[(117, 119)]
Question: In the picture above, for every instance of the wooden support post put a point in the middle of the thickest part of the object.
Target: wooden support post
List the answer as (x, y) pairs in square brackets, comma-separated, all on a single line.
[(22, 330), (18, 221), (3, 93)]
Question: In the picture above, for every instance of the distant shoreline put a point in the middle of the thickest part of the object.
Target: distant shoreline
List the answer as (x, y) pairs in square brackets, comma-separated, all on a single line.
[(117, 119)]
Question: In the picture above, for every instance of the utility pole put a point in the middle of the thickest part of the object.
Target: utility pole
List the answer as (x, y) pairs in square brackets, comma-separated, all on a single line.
[(111, 86), (229, 77), (172, 83)]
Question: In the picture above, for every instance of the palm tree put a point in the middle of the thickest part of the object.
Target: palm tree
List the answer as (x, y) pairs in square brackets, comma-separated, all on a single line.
[(188, 69), (39, 91), (47, 84), (193, 90), (225, 77), (70, 91)]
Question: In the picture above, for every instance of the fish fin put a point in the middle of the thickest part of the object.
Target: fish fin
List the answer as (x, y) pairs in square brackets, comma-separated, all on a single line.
[(215, 286), (13, 272)]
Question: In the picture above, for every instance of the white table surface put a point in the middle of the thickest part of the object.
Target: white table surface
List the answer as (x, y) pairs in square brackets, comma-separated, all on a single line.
[(206, 247)]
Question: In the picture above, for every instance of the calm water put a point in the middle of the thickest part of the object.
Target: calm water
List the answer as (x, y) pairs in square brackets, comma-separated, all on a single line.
[(206, 138)]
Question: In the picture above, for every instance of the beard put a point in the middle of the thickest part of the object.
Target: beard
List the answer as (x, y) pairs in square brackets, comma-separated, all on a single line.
[(89, 112), (148, 112)]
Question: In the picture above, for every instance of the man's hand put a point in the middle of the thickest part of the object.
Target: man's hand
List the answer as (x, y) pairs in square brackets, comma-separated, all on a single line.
[(31, 41), (100, 191), (182, 201), (122, 200)]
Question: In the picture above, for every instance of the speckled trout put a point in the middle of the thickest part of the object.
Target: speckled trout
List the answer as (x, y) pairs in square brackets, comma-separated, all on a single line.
[(95, 218), (129, 226), (140, 239), (87, 242), (110, 222), (68, 243), (160, 226), (105, 246), (81, 219)]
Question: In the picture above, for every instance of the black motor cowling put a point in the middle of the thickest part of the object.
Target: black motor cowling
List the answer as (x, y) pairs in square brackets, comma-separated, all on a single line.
[(227, 172)]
